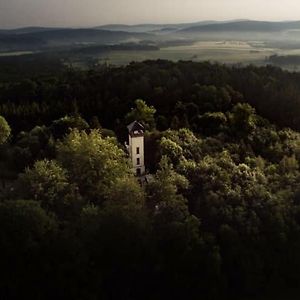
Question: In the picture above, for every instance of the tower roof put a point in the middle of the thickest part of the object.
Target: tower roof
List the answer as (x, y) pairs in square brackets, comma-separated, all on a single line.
[(135, 126)]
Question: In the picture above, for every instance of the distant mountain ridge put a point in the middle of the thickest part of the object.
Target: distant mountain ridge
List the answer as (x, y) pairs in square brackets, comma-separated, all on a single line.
[(47, 37), (247, 25), (41, 38), (204, 26), (151, 27), (31, 29)]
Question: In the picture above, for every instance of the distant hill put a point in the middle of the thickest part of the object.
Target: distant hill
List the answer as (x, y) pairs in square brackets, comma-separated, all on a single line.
[(152, 27), (205, 26), (63, 37), (46, 38), (130, 28), (28, 30), (238, 26), (12, 43), (86, 35)]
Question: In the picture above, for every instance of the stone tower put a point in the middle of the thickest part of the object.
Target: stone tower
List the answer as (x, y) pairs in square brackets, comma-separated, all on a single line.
[(136, 147)]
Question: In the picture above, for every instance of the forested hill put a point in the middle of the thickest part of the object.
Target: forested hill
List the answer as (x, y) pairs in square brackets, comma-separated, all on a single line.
[(219, 217), (39, 39), (183, 90), (245, 25)]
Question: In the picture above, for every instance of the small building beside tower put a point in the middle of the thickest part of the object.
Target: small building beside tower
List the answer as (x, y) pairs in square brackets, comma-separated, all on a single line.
[(136, 147)]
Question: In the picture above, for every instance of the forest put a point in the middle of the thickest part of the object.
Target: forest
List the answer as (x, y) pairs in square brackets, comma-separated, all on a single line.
[(293, 60), (220, 218)]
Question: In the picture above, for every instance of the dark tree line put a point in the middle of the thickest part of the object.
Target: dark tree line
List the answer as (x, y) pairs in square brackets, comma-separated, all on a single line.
[(183, 90)]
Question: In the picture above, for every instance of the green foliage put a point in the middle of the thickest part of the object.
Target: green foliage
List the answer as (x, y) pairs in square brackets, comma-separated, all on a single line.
[(30, 146), (4, 130), (126, 195), (62, 126), (163, 191), (243, 119), (212, 123), (183, 140), (212, 98), (171, 149), (93, 163), (218, 217), (48, 183), (142, 113), (23, 225)]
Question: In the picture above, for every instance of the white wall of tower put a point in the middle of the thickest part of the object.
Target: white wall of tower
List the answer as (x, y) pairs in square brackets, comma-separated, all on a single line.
[(136, 152)]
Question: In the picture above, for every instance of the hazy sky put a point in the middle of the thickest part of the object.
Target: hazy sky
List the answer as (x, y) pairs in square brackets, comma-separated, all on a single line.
[(17, 13)]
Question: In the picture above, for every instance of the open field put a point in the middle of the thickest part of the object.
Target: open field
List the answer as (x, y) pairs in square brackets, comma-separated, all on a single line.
[(15, 53), (229, 52), (224, 52), (236, 41)]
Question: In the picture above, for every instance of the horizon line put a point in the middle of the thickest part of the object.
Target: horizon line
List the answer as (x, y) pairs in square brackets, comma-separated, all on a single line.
[(144, 24)]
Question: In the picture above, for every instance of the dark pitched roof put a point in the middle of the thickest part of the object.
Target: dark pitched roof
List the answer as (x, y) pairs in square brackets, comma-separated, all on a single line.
[(135, 126)]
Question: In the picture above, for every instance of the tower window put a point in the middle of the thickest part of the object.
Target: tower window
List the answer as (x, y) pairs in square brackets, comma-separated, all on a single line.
[(137, 161), (137, 150)]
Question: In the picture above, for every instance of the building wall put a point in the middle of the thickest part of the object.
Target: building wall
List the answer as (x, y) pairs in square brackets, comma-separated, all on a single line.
[(134, 143)]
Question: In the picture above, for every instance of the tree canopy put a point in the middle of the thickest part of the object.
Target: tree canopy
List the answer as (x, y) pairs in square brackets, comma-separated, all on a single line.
[(218, 217), (4, 130)]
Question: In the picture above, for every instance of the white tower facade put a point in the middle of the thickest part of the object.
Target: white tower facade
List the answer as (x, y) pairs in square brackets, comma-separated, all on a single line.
[(136, 147)]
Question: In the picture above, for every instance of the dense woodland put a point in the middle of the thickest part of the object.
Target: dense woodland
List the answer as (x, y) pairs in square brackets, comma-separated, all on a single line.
[(220, 218), (285, 60)]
